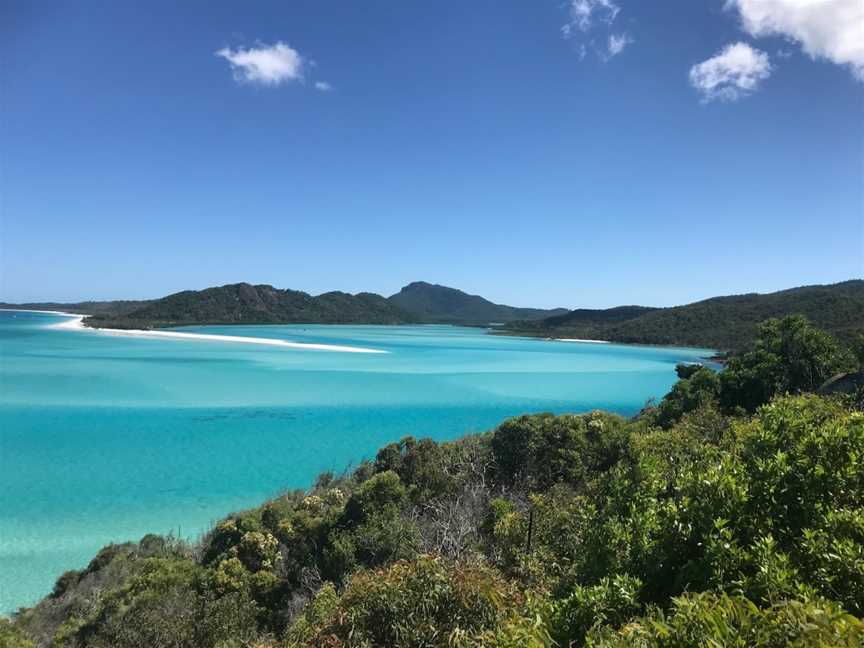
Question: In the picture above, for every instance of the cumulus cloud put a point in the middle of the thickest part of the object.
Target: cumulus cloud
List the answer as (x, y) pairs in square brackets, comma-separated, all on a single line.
[(617, 43), (736, 71), (828, 29), (266, 64), (323, 86)]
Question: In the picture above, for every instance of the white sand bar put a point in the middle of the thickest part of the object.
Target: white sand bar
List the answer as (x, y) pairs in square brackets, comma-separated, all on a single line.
[(75, 322)]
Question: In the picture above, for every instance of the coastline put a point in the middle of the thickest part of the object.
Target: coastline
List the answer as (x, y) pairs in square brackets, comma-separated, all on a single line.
[(714, 355), (76, 322), (36, 310)]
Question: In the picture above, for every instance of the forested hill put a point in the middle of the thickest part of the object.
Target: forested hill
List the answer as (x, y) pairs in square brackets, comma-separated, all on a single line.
[(440, 304), (719, 323), (244, 303)]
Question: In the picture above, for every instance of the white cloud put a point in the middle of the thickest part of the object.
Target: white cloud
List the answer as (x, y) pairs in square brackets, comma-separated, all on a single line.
[(734, 72), (266, 64), (591, 23), (585, 13), (617, 43), (323, 86), (829, 29)]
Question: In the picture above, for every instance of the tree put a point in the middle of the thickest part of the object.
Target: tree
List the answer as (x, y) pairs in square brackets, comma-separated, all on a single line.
[(540, 450), (697, 387), (789, 356), (858, 350)]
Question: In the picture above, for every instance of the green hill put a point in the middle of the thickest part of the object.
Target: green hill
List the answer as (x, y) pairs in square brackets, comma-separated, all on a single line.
[(718, 323), (244, 303), (439, 304)]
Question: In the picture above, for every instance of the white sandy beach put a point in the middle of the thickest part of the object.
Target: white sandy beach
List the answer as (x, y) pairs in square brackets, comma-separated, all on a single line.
[(33, 310), (75, 322), (578, 340)]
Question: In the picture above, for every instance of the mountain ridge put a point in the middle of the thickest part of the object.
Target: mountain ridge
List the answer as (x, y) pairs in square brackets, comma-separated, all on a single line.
[(244, 303), (442, 304)]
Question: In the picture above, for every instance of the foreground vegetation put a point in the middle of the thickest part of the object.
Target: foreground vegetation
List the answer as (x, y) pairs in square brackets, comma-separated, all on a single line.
[(731, 514)]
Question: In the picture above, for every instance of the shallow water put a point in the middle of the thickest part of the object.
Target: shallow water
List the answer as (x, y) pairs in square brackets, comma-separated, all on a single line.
[(106, 438)]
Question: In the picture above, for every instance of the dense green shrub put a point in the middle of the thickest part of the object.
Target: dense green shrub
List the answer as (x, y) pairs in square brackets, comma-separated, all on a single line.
[(420, 466), (730, 621), (610, 602), (12, 636), (697, 388), (541, 450), (789, 356), (684, 512), (164, 604), (417, 604), (383, 492)]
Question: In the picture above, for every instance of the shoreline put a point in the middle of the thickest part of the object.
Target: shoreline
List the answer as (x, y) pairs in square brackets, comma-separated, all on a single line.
[(75, 322), (715, 354), (36, 310)]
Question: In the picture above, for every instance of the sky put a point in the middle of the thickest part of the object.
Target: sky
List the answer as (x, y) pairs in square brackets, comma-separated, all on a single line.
[(575, 153)]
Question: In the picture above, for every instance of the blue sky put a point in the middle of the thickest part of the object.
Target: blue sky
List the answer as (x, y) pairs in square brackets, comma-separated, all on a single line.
[(582, 154)]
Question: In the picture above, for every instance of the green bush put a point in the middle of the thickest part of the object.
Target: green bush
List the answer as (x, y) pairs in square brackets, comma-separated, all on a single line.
[(383, 491), (728, 621), (540, 450), (13, 637), (697, 388), (610, 602), (418, 604), (164, 605)]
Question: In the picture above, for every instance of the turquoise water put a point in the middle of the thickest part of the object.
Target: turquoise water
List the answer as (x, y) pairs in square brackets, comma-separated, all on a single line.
[(106, 438)]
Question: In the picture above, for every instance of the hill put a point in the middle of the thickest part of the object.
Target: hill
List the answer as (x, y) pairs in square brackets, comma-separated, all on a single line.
[(719, 323), (244, 303), (439, 304)]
